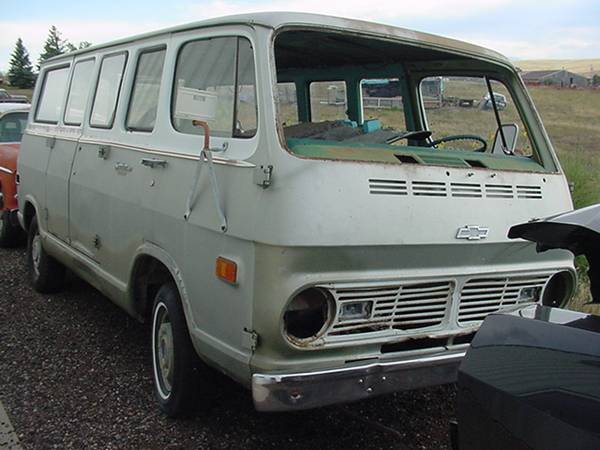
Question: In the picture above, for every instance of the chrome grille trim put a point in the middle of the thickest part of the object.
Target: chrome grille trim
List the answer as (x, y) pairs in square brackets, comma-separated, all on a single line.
[(450, 305), (482, 296), (403, 306)]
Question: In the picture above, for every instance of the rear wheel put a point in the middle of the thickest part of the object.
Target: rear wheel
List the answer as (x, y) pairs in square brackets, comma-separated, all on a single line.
[(176, 367), (10, 234), (46, 274)]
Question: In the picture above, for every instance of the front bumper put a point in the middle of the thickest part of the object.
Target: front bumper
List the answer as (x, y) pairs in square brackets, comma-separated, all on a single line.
[(294, 391)]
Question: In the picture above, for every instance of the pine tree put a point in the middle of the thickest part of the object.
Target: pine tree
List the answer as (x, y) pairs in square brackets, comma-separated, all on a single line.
[(20, 73), (53, 46)]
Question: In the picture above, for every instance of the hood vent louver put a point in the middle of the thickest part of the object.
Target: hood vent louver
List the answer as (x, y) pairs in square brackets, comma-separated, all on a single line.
[(429, 188), (499, 191), (387, 187), (421, 188), (533, 192), (469, 190)]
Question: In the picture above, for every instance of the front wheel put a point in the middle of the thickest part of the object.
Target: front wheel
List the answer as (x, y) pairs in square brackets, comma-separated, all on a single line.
[(176, 366), (46, 274)]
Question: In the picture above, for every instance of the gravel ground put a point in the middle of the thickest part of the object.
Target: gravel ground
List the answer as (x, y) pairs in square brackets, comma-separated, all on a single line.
[(75, 373)]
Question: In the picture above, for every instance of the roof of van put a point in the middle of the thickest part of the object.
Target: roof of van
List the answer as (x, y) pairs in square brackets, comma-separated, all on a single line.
[(276, 20)]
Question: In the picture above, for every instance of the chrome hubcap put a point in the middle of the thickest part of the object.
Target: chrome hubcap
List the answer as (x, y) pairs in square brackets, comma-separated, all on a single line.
[(163, 349), (36, 253)]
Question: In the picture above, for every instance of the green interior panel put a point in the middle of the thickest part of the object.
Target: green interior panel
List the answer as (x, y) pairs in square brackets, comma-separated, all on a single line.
[(314, 148)]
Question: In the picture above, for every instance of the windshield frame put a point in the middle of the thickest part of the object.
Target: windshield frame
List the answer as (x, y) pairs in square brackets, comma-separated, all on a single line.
[(495, 69)]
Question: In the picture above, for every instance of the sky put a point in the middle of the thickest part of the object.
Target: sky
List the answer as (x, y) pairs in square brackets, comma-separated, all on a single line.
[(520, 29)]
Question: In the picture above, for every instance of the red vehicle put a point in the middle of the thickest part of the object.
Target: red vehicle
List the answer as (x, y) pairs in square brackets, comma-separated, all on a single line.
[(13, 119)]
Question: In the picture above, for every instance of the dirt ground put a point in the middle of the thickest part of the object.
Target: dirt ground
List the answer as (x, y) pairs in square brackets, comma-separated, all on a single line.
[(75, 373)]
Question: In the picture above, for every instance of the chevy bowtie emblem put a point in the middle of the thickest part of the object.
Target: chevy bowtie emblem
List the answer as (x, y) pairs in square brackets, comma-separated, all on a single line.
[(472, 233)]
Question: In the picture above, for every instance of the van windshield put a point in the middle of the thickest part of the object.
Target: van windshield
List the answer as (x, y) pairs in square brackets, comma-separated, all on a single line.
[(344, 96)]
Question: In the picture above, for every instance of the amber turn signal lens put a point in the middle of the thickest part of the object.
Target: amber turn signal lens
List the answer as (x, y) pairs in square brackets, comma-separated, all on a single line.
[(226, 270)]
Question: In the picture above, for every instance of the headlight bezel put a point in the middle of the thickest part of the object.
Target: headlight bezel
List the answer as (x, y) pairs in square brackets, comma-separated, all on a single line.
[(328, 316), (566, 283)]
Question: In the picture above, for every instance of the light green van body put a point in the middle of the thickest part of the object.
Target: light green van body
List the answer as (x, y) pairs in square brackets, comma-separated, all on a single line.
[(109, 213)]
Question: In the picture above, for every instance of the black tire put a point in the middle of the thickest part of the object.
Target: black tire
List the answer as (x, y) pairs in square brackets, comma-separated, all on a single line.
[(10, 235), (46, 274), (179, 390)]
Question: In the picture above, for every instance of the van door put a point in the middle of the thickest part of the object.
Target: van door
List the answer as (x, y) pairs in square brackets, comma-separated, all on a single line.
[(95, 166), (58, 171)]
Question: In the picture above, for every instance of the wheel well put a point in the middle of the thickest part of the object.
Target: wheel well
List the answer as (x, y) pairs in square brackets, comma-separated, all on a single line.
[(28, 215), (149, 274)]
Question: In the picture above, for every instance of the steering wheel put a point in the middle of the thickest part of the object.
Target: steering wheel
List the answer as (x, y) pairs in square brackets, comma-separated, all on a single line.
[(461, 137)]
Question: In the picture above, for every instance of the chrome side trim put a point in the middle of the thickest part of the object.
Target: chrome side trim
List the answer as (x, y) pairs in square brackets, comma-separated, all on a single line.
[(144, 150), (305, 390), (6, 170)]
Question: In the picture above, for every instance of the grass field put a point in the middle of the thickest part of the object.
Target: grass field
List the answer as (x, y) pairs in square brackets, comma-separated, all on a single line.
[(572, 119)]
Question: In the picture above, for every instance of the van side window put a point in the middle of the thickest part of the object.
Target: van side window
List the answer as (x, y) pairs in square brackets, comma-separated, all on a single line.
[(78, 92), (52, 95), (141, 115), (107, 91), (211, 65)]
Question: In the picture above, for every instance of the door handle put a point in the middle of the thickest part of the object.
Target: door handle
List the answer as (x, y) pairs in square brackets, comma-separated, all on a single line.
[(122, 168), (154, 162)]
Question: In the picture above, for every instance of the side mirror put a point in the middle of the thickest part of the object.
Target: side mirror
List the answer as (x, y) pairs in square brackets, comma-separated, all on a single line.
[(198, 106), (511, 133)]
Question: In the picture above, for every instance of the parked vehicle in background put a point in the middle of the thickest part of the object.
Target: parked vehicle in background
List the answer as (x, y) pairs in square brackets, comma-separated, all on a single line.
[(500, 99), (6, 97), (13, 119), (312, 252)]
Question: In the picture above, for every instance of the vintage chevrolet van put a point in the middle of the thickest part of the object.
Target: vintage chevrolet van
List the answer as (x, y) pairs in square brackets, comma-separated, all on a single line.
[(317, 207)]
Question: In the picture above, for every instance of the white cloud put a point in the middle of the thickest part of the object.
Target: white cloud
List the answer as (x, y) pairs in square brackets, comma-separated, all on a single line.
[(559, 43), (544, 43)]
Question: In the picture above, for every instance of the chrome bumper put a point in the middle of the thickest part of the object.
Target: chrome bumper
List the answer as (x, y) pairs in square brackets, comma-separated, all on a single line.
[(294, 391)]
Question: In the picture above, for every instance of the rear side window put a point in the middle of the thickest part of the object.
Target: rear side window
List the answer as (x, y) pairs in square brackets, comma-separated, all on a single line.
[(223, 66), (144, 97), (107, 91), (78, 92), (53, 93)]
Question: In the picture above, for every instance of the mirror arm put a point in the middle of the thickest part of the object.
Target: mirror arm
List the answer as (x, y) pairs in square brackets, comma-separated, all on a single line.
[(204, 126), (497, 115), (206, 153)]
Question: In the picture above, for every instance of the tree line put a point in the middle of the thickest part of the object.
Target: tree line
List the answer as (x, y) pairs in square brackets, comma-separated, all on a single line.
[(21, 73)]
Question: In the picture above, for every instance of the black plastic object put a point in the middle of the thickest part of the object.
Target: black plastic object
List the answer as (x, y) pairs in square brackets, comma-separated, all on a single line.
[(531, 380), (577, 231)]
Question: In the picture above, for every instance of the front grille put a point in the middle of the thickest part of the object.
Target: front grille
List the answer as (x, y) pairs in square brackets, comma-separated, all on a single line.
[(482, 296), (446, 305), (411, 306)]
